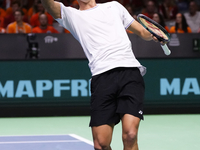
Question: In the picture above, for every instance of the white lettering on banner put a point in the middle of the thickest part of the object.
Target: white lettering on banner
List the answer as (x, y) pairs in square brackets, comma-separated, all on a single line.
[(190, 85), (76, 87)]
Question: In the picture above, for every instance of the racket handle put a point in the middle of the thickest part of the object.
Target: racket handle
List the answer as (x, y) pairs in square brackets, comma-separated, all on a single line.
[(166, 49)]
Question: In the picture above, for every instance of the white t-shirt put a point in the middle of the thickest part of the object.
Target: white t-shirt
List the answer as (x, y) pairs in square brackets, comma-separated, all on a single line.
[(101, 32), (193, 21)]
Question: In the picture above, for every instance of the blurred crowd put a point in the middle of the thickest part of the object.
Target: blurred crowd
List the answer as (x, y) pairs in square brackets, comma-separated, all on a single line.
[(29, 16)]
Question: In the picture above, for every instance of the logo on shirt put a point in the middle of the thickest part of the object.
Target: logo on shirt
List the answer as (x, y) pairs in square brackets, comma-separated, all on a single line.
[(50, 39), (140, 112)]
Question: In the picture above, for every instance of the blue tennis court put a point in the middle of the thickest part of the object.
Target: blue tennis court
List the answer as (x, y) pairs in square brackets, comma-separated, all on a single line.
[(45, 142)]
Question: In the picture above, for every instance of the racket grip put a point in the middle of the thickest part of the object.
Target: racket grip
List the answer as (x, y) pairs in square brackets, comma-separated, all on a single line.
[(166, 49)]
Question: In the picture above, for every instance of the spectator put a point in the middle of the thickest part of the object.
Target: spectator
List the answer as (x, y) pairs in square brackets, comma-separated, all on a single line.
[(2, 16), (10, 16), (34, 21), (159, 19), (150, 9), (168, 9), (193, 17), (198, 4), (181, 25), (1, 22), (34, 9), (44, 27), (14, 6), (26, 3), (138, 5), (2, 12), (18, 26)]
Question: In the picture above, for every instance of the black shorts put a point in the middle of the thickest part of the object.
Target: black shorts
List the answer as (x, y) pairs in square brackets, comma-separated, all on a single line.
[(114, 93)]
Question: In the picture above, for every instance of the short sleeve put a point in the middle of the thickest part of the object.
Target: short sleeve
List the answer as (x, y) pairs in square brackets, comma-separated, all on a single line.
[(66, 17), (127, 19)]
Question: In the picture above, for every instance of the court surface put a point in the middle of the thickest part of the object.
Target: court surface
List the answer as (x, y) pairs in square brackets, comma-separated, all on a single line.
[(156, 132), (45, 142)]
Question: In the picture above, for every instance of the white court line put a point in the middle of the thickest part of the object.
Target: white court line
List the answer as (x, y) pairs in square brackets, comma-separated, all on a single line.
[(26, 142), (81, 139), (72, 135), (34, 135)]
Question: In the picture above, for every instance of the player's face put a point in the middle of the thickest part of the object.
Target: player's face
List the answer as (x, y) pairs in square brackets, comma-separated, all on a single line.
[(156, 18)]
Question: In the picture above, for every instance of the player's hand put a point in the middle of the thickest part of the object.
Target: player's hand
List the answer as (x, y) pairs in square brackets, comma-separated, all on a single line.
[(156, 40)]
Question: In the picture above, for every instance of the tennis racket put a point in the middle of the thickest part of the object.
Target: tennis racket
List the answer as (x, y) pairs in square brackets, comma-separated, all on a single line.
[(157, 30)]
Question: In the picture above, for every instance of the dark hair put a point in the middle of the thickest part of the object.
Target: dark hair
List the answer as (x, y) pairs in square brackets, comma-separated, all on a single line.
[(39, 2), (162, 21), (184, 24), (16, 2)]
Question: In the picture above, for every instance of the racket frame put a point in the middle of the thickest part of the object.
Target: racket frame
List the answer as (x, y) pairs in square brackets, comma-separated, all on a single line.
[(157, 25)]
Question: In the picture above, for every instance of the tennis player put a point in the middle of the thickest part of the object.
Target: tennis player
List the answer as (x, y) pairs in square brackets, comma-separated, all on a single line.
[(117, 84)]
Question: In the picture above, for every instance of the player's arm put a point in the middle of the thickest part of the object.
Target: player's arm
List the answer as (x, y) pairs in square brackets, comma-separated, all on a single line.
[(53, 8), (138, 29)]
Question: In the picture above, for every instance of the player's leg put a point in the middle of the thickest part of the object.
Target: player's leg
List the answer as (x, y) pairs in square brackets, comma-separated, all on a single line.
[(103, 109), (130, 125), (102, 136), (130, 104)]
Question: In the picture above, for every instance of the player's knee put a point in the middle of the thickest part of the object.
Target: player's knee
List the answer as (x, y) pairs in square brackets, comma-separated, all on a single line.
[(130, 137), (102, 145), (105, 148), (102, 148)]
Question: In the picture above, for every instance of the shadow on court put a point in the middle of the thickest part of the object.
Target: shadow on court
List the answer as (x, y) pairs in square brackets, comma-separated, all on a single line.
[(45, 142)]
